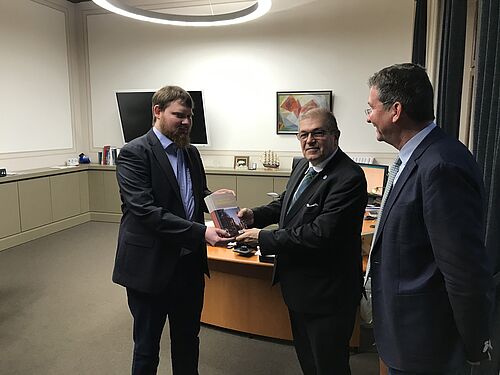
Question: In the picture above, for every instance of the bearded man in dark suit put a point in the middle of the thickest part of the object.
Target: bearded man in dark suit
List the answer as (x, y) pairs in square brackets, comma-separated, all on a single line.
[(162, 256)]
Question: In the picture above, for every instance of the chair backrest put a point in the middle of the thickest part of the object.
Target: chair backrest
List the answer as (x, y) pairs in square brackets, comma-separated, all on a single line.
[(296, 160)]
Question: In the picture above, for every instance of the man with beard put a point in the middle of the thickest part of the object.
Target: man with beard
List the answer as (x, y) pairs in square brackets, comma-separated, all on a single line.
[(161, 256)]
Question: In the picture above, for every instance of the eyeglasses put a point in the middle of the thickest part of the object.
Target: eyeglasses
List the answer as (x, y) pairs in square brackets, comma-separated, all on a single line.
[(316, 134), (368, 111)]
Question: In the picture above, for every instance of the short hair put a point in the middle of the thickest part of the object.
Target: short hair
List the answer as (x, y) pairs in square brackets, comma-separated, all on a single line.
[(329, 122), (408, 84), (168, 94)]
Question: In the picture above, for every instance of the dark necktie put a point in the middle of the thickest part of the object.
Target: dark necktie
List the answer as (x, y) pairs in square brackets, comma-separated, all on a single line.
[(388, 187), (184, 180), (306, 181)]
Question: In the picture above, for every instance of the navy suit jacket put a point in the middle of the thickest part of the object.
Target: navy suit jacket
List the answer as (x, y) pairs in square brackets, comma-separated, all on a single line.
[(429, 269), (154, 231), (318, 243)]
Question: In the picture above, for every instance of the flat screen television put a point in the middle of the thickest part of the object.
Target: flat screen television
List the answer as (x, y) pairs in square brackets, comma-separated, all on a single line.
[(134, 109)]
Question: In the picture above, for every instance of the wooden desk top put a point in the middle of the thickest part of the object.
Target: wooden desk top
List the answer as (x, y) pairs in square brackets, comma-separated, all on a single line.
[(228, 255)]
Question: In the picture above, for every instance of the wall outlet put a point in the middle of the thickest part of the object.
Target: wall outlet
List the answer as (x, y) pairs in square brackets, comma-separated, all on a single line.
[(72, 161)]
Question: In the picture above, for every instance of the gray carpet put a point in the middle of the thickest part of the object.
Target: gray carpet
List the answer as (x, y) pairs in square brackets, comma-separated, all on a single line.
[(61, 314)]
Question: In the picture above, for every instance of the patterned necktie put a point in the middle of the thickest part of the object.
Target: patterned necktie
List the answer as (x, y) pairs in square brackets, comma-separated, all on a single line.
[(306, 181), (388, 187), (390, 181)]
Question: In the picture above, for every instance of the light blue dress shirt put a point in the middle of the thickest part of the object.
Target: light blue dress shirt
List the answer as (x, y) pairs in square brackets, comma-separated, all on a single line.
[(410, 146), (176, 157)]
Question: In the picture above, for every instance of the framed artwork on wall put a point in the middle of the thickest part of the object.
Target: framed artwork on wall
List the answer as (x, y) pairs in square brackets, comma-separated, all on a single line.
[(290, 104), (241, 162)]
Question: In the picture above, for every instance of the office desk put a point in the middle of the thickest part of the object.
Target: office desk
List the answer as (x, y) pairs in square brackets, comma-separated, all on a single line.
[(239, 295)]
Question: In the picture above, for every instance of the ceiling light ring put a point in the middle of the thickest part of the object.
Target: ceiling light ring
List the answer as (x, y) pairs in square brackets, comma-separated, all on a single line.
[(258, 9)]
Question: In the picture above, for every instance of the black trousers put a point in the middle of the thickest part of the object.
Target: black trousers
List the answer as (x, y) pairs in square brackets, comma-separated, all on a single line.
[(322, 341), (181, 302)]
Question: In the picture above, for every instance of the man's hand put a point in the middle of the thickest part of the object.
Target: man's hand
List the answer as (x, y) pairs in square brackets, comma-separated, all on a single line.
[(220, 191), (246, 215), (217, 237), (249, 237)]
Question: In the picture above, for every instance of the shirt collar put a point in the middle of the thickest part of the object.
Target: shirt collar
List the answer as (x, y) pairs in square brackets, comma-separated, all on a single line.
[(410, 146), (318, 168), (164, 140)]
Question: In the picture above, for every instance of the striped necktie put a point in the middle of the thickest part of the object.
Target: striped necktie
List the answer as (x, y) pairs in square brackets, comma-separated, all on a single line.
[(388, 187), (306, 181)]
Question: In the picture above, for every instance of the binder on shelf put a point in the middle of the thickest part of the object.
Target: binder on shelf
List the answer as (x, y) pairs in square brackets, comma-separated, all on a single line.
[(105, 155)]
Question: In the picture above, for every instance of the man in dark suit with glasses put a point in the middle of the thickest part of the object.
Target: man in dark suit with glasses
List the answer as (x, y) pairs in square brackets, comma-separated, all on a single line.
[(317, 245)]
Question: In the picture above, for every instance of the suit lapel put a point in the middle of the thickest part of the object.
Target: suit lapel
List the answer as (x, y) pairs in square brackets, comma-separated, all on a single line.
[(295, 178), (310, 190), (161, 156), (410, 166)]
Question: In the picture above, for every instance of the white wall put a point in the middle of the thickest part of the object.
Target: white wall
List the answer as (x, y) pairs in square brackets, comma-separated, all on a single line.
[(36, 114), (58, 89), (323, 44)]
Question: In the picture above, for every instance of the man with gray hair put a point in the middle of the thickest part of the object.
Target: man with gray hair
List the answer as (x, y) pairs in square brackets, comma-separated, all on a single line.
[(317, 245)]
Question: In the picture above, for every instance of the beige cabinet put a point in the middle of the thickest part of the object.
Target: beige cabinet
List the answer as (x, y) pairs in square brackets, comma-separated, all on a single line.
[(104, 194), (84, 191), (251, 191), (35, 203), (216, 182), (280, 184), (65, 195), (9, 219)]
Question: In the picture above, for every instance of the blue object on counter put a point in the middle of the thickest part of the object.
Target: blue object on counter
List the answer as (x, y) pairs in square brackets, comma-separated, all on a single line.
[(83, 159)]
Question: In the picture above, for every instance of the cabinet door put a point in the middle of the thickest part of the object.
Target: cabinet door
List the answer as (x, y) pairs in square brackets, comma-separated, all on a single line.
[(280, 184), (96, 191), (104, 194), (111, 193), (65, 195), (218, 181), (84, 191), (35, 203), (252, 191), (9, 218)]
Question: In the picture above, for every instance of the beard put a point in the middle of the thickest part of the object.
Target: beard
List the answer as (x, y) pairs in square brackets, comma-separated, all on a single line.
[(180, 137)]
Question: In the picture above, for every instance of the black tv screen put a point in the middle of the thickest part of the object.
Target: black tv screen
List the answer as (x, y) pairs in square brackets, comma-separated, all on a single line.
[(134, 108)]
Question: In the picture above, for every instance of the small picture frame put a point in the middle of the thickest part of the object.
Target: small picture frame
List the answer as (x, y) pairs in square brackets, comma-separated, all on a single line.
[(290, 104), (241, 162)]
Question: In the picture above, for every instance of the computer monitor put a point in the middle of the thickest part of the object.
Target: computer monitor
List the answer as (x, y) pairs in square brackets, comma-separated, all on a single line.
[(134, 109), (376, 178)]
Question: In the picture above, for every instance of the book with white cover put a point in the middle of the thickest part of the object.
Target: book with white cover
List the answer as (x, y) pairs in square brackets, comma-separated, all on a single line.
[(224, 212)]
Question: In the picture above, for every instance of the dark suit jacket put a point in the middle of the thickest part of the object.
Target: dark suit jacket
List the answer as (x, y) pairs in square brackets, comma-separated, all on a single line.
[(429, 270), (154, 231), (318, 243)]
